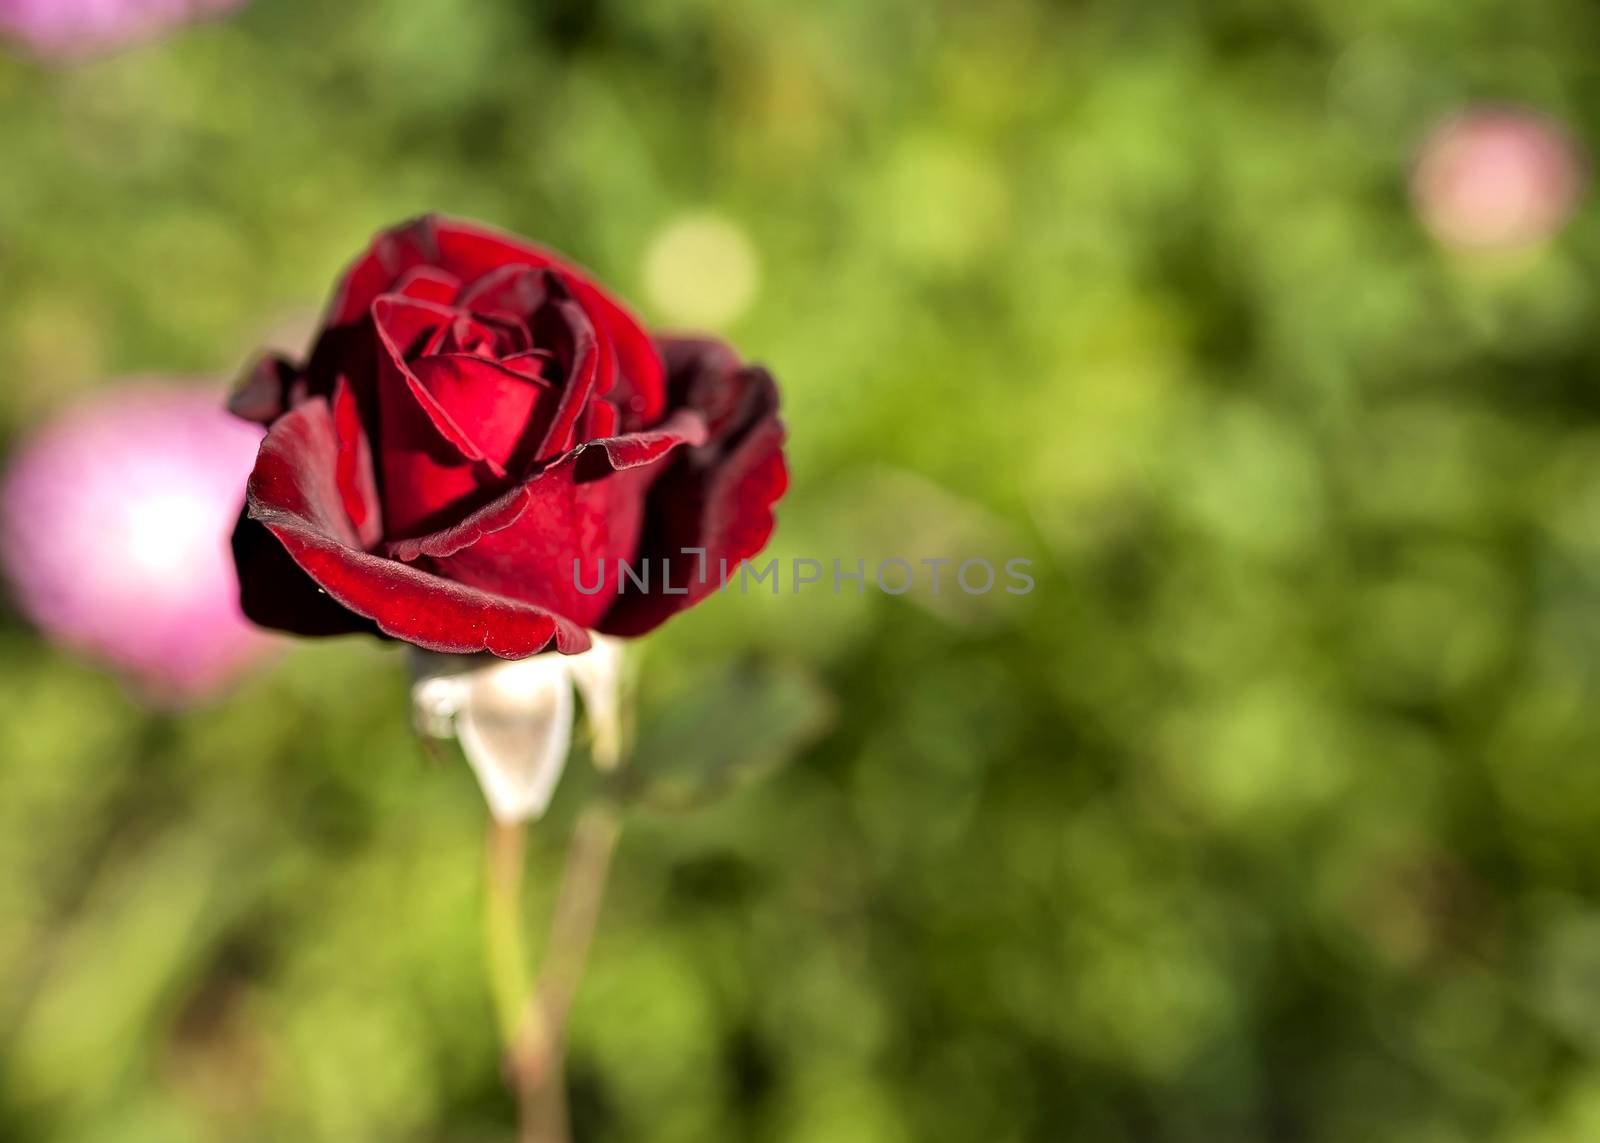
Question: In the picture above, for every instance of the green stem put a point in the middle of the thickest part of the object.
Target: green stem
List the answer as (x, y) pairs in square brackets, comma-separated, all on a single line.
[(533, 1017), (583, 886), (509, 984), (532, 1068)]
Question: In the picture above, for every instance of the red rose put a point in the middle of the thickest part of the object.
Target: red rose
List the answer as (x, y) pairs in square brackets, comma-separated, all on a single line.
[(477, 416)]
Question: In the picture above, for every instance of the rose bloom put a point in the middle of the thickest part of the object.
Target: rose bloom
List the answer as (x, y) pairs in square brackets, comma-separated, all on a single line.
[(1497, 180), (73, 27), (114, 524), (476, 422)]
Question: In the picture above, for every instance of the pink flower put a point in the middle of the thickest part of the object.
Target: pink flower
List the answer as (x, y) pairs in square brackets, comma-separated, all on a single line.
[(114, 525), (1497, 179), (81, 27)]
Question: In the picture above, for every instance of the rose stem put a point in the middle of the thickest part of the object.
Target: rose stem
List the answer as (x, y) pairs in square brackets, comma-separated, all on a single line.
[(508, 974), (533, 1020), (521, 1022), (583, 884)]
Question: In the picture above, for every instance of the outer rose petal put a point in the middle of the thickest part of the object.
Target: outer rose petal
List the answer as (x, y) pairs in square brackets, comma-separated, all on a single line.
[(266, 390), (293, 492), (275, 592), (718, 496), (391, 257), (585, 507)]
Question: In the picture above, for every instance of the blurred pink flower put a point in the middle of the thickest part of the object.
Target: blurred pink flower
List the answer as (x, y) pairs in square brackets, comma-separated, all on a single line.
[(114, 528), (1497, 179), (78, 27)]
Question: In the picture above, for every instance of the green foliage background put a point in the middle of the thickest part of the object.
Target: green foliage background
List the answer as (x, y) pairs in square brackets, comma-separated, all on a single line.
[(1272, 814)]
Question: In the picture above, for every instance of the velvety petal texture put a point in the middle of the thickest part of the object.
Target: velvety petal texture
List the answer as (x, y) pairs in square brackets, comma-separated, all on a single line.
[(712, 506), (480, 439)]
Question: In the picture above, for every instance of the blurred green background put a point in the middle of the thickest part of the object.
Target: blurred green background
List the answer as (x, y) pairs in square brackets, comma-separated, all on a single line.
[(1273, 813)]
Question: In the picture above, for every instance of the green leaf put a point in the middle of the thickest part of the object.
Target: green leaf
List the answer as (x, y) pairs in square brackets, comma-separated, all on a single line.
[(723, 732)]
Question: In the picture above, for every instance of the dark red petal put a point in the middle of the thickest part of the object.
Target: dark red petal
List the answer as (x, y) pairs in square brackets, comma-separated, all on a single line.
[(583, 380), (294, 493), (391, 256), (599, 420), (428, 284), (468, 251), (515, 290), (402, 323), (266, 390), (407, 326), (508, 411), (430, 465), (593, 458), (349, 351), (699, 368), (531, 363), (585, 507), (717, 497), (275, 592), (471, 251), (358, 487), (645, 399)]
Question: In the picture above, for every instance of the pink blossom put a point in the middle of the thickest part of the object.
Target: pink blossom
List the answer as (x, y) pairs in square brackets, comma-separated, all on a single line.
[(80, 27), (114, 529), (1497, 179)]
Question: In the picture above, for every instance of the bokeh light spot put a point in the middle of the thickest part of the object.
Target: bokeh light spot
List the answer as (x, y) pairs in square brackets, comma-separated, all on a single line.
[(702, 270)]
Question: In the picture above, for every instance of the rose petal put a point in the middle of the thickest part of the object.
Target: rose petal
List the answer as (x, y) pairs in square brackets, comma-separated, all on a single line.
[(431, 466), (468, 251), (646, 399), (275, 592), (351, 352), (509, 411), (586, 376), (293, 492), (265, 390), (584, 508), (391, 255), (471, 251), (428, 284), (516, 290), (717, 497), (600, 420), (357, 486)]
